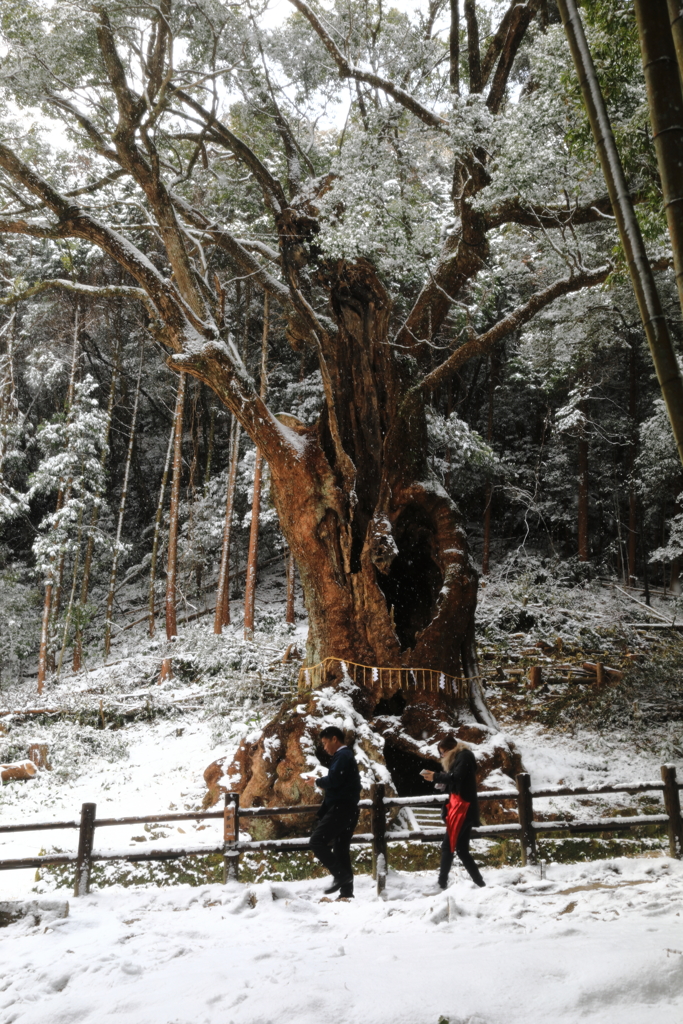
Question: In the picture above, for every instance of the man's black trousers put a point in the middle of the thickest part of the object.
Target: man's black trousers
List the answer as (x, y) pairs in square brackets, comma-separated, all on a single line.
[(462, 848), (331, 843)]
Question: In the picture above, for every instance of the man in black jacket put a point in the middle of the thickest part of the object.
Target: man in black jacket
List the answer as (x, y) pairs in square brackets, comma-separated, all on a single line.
[(331, 839)]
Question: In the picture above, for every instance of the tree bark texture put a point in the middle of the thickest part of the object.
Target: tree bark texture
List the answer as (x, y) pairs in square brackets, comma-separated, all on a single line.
[(290, 570), (642, 278), (172, 556), (665, 101), (454, 47)]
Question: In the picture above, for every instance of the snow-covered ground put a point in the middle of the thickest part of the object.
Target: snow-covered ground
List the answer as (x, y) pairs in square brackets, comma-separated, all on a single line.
[(599, 942)]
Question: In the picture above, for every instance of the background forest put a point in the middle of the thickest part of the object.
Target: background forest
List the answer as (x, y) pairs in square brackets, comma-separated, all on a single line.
[(555, 445)]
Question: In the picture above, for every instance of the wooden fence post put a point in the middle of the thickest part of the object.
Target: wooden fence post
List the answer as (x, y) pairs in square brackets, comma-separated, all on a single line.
[(379, 836), (85, 843), (672, 805), (231, 834), (525, 810)]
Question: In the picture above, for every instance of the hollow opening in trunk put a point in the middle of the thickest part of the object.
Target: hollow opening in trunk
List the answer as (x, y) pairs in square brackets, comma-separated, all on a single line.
[(412, 585), (405, 768)]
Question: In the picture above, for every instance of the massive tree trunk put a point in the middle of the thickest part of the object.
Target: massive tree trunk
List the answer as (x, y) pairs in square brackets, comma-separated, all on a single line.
[(383, 561), (378, 543)]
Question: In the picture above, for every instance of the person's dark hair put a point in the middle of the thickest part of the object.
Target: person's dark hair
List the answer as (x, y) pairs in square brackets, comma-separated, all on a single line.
[(332, 730), (446, 743)]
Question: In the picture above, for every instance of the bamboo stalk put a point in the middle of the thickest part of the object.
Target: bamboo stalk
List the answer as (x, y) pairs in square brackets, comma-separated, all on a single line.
[(642, 278), (665, 101)]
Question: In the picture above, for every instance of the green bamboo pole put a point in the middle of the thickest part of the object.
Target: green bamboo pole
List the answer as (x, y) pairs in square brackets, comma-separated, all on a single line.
[(642, 278), (665, 101), (676, 19)]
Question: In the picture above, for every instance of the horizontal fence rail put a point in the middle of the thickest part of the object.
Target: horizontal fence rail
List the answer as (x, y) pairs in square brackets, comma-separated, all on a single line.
[(526, 829)]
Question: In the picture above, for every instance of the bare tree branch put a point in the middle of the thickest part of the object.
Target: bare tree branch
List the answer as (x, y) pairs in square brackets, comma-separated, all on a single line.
[(271, 187), (347, 70), (519, 22), (514, 210), (108, 291), (481, 344)]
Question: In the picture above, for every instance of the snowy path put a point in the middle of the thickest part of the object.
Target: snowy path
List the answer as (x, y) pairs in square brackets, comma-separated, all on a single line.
[(599, 942)]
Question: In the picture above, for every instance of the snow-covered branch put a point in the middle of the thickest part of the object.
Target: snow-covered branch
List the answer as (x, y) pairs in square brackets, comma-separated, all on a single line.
[(348, 70), (481, 344)]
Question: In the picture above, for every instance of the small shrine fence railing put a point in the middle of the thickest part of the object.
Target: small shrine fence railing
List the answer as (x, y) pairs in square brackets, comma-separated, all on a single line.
[(426, 680)]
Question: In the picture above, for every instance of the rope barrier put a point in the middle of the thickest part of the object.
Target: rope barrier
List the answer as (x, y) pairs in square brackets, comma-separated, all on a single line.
[(426, 680)]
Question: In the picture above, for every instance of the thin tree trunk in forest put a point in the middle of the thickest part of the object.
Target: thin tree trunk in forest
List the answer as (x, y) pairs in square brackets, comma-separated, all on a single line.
[(52, 600), (222, 614), (642, 278), (489, 487), (632, 503), (157, 529), (209, 450), (665, 101), (454, 47), (71, 391), (122, 509), (45, 634), (172, 561), (94, 516), (74, 583), (473, 51), (250, 585), (622, 565), (643, 555), (582, 517), (290, 615)]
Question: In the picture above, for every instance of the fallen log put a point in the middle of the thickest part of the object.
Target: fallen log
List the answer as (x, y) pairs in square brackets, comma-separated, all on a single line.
[(19, 771)]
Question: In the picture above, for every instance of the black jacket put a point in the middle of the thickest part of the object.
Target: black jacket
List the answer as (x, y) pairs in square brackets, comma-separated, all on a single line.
[(341, 785), (461, 778)]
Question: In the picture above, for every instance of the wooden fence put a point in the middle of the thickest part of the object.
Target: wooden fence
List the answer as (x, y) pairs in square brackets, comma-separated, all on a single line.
[(427, 680), (526, 829)]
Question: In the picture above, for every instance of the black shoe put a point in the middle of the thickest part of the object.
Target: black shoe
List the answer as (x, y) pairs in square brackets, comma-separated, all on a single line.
[(334, 887), (442, 885), (344, 896)]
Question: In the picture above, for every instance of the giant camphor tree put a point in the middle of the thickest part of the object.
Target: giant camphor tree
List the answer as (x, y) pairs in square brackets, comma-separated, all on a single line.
[(374, 178)]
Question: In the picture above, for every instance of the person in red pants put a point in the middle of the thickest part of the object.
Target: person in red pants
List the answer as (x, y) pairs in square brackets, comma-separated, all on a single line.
[(461, 812), (338, 814)]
